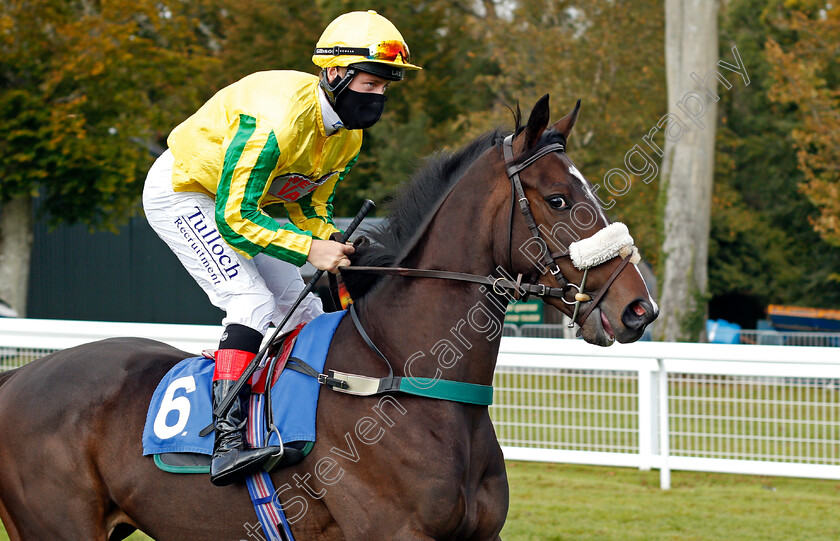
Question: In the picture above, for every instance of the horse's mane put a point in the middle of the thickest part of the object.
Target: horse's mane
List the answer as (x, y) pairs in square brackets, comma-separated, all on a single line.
[(409, 211)]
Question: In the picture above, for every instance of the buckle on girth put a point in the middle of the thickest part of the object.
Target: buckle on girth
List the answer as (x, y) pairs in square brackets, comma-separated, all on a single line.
[(324, 379)]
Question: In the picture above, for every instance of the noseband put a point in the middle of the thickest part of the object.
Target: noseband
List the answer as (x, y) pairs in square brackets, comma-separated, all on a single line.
[(518, 288)]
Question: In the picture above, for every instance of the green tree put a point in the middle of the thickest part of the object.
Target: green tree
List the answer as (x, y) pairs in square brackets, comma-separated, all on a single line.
[(91, 90), (762, 242), (578, 50), (264, 35), (83, 91), (807, 77)]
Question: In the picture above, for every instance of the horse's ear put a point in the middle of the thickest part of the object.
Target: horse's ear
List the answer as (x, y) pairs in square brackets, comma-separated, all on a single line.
[(565, 124), (537, 123)]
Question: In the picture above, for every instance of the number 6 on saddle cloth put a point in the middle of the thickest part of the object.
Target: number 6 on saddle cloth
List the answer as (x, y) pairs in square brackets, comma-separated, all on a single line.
[(181, 405)]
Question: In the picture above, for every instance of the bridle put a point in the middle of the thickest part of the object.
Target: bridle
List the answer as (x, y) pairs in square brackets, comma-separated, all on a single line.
[(549, 259), (517, 195), (505, 284)]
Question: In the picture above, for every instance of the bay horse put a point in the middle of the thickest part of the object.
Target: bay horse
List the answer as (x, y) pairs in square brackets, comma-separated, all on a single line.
[(393, 466)]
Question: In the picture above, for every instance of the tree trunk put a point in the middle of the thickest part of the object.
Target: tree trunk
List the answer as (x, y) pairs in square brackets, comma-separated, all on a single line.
[(691, 47), (15, 248)]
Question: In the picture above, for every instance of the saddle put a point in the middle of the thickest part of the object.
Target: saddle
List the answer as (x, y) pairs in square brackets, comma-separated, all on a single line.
[(182, 406)]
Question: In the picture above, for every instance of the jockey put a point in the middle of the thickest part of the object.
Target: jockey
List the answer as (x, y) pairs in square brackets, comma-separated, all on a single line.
[(274, 137)]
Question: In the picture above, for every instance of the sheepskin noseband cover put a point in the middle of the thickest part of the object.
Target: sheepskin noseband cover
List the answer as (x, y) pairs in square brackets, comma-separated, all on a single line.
[(614, 240)]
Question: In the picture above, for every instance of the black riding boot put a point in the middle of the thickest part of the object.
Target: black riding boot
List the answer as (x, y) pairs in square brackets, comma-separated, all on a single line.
[(232, 459)]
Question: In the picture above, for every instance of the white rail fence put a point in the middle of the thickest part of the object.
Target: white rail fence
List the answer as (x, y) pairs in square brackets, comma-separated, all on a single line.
[(754, 409), (745, 336)]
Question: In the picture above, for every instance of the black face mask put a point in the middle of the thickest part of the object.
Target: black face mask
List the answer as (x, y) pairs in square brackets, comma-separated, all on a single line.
[(359, 110)]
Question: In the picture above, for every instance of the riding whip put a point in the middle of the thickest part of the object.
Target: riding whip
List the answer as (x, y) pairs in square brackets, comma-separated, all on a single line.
[(223, 407)]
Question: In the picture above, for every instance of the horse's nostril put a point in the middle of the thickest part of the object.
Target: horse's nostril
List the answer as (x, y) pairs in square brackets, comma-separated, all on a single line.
[(638, 309), (637, 314)]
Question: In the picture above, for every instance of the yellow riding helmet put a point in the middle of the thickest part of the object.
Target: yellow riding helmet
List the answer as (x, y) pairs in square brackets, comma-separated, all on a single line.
[(366, 40)]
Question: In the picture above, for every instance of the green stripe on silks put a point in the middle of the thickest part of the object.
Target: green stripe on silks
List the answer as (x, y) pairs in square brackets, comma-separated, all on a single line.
[(247, 126), (443, 389), (305, 202), (249, 206), (343, 174)]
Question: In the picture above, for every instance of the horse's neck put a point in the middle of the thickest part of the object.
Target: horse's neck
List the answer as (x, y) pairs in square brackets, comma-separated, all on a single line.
[(441, 328), (436, 329)]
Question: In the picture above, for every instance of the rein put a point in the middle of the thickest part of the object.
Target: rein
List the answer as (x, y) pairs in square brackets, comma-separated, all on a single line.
[(499, 285), (549, 260)]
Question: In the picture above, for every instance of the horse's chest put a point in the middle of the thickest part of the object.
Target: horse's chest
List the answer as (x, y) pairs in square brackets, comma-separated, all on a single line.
[(485, 508), (437, 470), (477, 494)]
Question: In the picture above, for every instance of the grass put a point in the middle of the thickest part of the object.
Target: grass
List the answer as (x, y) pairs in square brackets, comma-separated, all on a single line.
[(552, 502)]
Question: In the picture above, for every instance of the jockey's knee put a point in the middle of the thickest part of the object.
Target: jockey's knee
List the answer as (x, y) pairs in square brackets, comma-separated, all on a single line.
[(255, 310)]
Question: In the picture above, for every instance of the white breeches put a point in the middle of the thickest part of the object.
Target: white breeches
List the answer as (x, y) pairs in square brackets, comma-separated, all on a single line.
[(252, 292)]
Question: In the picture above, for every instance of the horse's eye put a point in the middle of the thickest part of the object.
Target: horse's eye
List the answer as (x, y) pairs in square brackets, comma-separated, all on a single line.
[(557, 202)]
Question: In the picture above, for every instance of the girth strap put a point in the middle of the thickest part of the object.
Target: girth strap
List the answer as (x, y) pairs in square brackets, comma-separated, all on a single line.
[(299, 365), (441, 389), (355, 384)]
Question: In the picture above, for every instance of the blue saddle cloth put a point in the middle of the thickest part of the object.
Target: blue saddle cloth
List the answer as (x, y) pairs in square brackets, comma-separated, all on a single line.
[(182, 404)]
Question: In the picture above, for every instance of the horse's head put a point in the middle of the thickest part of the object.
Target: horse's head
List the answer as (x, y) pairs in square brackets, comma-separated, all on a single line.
[(570, 243)]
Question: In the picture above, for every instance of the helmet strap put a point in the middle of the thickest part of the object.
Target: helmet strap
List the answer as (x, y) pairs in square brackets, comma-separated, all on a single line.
[(336, 87)]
